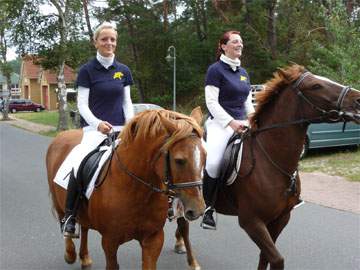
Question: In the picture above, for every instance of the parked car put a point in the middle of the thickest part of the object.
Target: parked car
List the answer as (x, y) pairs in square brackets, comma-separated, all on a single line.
[(139, 107), (17, 105), (325, 134)]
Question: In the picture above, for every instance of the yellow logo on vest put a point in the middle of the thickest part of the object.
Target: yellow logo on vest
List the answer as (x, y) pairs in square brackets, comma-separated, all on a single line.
[(118, 75), (242, 78)]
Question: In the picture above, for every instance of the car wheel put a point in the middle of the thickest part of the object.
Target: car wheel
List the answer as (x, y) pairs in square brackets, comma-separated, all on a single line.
[(13, 110), (37, 110), (305, 149)]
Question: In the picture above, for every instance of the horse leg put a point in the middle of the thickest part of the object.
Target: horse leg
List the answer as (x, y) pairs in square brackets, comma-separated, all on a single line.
[(85, 259), (151, 248), (110, 247), (259, 233), (182, 237), (70, 252), (275, 228)]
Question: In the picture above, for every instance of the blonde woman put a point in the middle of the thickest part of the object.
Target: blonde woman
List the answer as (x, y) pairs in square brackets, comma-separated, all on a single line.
[(104, 104)]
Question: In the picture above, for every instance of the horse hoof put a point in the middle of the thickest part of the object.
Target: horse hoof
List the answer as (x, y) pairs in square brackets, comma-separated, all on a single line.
[(86, 263), (180, 249), (195, 266), (70, 259)]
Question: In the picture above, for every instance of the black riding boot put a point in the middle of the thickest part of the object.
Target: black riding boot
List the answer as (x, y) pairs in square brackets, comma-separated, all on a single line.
[(71, 205), (209, 193)]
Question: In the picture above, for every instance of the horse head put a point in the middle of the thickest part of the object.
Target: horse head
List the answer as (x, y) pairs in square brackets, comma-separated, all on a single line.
[(319, 99), (171, 144), (183, 160)]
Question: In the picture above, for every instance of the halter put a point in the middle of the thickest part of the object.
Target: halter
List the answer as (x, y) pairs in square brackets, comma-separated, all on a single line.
[(168, 181)]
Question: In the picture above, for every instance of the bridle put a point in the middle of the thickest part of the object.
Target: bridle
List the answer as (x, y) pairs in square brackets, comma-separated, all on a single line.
[(170, 186), (333, 115)]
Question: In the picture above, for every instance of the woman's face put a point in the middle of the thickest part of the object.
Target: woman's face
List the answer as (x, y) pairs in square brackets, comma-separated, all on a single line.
[(233, 48), (106, 42)]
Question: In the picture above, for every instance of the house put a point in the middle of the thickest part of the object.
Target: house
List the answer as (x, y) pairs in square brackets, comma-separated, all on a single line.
[(40, 85), (15, 90)]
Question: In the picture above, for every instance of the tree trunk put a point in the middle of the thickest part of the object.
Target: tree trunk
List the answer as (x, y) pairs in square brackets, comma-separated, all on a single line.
[(87, 19), (135, 55), (165, 15), (271, 28), (61, 94), (6, 70)]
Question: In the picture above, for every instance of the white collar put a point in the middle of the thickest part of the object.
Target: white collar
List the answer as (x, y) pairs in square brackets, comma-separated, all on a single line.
[(105, 61), (231, 62)]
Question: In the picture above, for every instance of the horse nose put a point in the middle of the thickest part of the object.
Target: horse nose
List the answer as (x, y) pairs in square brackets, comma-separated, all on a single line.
[(191, 215)]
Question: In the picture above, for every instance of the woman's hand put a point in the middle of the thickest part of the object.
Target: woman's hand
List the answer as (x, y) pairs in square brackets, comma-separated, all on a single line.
[(238, 125), (104, 127)]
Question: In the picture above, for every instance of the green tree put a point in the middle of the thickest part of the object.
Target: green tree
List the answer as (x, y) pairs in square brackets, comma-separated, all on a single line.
[(338, 56)]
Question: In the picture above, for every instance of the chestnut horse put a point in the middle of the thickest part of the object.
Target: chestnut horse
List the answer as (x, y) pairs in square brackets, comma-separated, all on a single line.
[(160, 154), (268, 186)]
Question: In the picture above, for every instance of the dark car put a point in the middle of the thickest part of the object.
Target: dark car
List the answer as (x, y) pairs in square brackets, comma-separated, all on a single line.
[(18, 105), (325, 134)]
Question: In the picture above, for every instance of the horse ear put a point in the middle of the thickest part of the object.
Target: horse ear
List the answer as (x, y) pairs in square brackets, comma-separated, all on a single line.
[(197, 114), (281, 72), (170, 126)]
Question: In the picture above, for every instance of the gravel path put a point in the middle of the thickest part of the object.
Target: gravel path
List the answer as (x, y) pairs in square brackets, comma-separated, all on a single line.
[(319, 188)]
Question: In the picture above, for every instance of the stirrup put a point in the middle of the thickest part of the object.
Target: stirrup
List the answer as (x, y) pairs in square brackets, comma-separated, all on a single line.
[(64, 222), (207, 226), (299, 203)]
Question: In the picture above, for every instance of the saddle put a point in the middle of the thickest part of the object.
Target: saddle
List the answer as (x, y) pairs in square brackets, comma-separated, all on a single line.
[(90, 164), (230, 165)]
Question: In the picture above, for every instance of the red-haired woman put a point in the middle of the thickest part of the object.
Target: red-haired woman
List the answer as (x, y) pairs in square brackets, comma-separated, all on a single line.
[(228, 99)]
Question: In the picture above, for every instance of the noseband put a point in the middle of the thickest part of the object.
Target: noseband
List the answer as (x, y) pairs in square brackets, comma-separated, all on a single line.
[(332, 115), (168, 181)]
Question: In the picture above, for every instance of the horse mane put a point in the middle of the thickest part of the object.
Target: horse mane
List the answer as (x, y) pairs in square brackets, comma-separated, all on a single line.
[(272, 88), (149, 125)]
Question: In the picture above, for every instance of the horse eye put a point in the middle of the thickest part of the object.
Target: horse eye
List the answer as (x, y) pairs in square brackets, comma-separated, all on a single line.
[(316, 86), (180, 161)]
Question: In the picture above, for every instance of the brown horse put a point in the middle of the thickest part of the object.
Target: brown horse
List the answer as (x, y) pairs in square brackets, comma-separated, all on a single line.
[(160, 154), (268, 185)]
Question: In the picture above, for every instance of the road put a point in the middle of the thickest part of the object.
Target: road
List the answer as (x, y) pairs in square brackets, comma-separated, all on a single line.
[(316, 237)]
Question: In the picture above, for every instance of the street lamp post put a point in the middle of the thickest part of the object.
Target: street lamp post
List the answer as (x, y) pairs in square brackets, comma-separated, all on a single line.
[(172, 56)]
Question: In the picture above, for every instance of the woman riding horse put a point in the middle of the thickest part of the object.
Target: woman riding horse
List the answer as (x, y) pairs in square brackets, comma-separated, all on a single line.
[(268, 185), (160, 155)]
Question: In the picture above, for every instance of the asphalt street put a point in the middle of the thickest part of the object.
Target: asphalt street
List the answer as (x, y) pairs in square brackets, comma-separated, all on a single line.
[(315, 238)]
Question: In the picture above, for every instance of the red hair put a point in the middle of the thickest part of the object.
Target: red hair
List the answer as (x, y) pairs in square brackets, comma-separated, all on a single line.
[(224, 39)]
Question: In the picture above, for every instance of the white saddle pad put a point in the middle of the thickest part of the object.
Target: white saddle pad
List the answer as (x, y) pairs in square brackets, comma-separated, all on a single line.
[(62, 179)]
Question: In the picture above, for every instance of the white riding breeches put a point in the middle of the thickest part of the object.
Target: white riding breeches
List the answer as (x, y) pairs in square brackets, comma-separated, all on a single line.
[(216, 140)]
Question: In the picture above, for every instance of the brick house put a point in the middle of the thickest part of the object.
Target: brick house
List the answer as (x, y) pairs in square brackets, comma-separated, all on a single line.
[(40, 85)]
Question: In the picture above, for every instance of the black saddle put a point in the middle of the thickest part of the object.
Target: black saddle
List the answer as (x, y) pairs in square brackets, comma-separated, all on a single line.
[(230, 157), (90, 163)]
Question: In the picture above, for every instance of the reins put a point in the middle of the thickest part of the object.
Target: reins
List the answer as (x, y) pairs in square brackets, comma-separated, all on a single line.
[(170, 186), (331, 115)]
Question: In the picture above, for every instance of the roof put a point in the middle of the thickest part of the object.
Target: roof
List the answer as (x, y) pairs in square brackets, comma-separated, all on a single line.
[(32, 70)]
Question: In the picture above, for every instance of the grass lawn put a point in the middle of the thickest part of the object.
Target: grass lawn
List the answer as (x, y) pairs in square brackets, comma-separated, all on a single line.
[(44, 117), (343, 161)]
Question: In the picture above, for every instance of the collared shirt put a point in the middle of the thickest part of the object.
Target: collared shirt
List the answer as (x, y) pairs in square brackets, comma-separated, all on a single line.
[(106, 90), (234, 87)]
